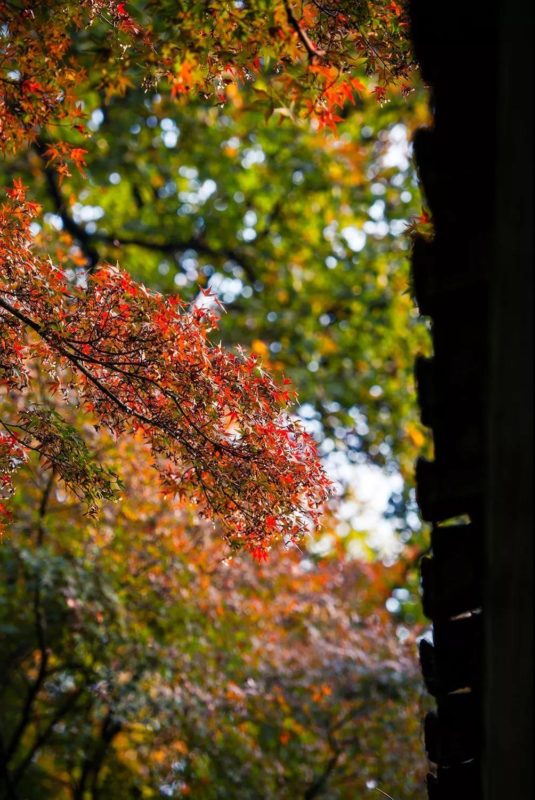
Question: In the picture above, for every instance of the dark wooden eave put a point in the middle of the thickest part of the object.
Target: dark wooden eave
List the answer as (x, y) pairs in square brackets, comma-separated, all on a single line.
[(474, 280)]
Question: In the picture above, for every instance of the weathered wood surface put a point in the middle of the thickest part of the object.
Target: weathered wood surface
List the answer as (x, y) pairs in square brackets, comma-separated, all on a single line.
[(473, 280), (452, 580), (508, 752)]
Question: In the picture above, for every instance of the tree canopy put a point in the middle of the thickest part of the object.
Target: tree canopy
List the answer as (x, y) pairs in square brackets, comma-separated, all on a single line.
[(201, 199), (296, 228)]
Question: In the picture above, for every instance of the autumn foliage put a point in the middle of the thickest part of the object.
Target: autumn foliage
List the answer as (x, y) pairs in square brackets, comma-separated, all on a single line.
[(142, 447), (156, 663), (217, 424), (308, 56)]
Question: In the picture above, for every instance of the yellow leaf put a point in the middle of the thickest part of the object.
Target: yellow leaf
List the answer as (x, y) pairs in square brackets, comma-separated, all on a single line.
[(327, 345), (415, 435), (259, 347), (158, 756)]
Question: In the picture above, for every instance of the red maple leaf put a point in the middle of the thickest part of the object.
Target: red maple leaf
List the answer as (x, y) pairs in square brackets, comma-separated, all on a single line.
[(380, 93), (259, 554), (31, 87)]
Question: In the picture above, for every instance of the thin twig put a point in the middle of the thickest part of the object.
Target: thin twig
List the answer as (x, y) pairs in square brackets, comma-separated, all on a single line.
[(310, 47), (383, 793)]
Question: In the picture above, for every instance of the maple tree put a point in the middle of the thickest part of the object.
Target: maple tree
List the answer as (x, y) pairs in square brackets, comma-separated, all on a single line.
[(218, 198), (53, 55), (214, 419), (308, 52)]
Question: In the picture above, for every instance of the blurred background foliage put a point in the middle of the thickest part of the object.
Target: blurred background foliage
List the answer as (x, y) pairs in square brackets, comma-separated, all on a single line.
[(138, 660)]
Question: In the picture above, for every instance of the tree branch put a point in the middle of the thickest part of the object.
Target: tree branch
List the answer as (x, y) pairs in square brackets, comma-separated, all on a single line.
[(42, 737), (43, 506), (5, 774), (320, 783), (92, 765), (310, 47), (77, 231), (36, 686)]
